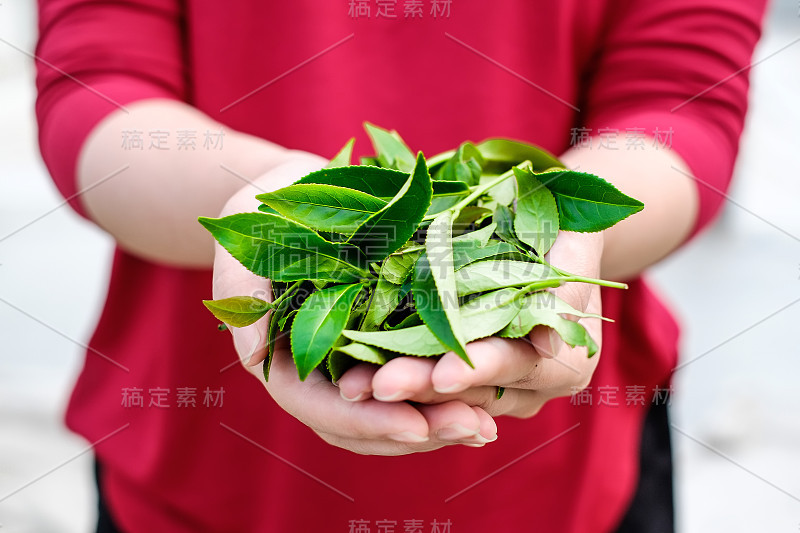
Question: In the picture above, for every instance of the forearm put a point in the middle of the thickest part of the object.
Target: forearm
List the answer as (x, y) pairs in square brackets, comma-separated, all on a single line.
[(151, 207), (658, 178)]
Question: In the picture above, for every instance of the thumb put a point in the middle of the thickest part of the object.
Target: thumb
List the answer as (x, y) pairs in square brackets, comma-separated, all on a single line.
[(232, 279), (580, 254)]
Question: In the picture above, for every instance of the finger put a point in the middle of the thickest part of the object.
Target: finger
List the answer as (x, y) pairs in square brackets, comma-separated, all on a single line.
[(488, 427), (404, 378), (412, 376), (356, 384), (546, 341), (496, 361), (379, 447), (318, 404), (514, 365), (232, 279), (520, 403), (577, 253), (409, 378), (457, 422)]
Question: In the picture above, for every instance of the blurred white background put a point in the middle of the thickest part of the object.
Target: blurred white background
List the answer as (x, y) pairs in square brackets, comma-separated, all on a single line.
[(736, 289)]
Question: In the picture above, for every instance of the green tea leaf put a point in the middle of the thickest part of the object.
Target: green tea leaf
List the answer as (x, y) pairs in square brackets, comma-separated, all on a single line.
[(465, 165), (407, 322), (472, 214), (379, 182), (319, 323), (390, 150), (548, 300), (481, 236), (397, 267), (418, 340), (346, 357), (504, 218), (503, 192), (444, 188), (430, 308), (502, 154), (481, 317), (338, 364), (285, 319), (531, 316), (277, 317), (324, 207), (345, 155), (283, 250), (385, 298), (390, 228), (587, 203), (489, 313), (434, 287), (446, 194), (362, 352), (467, 252), (476, 245), (435, 163), (490, 275), (267, 209), (536, 220), (238, 311)]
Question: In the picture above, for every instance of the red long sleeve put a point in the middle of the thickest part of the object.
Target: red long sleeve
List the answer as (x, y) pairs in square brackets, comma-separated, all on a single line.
[(680, 68), (95, 57)]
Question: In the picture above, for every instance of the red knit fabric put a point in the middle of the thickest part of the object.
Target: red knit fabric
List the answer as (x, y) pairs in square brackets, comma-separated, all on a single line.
[(634, 66)]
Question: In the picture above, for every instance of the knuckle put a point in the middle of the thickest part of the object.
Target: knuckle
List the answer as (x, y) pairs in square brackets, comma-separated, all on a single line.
[(531, 379), (489, 404), (578, 384), (528, 410)]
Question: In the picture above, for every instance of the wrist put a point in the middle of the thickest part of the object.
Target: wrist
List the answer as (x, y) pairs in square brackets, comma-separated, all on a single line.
[(288, 168)]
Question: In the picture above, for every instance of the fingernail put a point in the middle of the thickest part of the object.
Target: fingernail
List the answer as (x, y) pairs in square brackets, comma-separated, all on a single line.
[(396, 397), (449, 389), (408, 437), (483, 440), (456, 432), (476, 445), (356, 399)]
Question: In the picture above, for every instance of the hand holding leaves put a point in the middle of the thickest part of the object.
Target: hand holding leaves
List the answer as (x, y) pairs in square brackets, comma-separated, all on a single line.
[(393, 262)]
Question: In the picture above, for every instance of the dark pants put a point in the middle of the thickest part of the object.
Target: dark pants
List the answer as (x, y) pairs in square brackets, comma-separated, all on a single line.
[(651, 510)]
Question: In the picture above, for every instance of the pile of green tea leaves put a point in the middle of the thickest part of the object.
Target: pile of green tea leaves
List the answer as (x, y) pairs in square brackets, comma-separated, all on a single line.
[(403, 256)]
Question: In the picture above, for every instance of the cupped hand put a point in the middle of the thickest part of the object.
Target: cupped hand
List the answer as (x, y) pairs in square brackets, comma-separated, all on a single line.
[(367, 426), (533, 370)]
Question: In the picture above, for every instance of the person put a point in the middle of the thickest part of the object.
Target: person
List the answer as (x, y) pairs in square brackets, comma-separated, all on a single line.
[(155, 112)]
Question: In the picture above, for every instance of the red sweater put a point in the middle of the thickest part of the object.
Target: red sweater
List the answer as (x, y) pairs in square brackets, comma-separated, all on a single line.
[(627, 65)]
